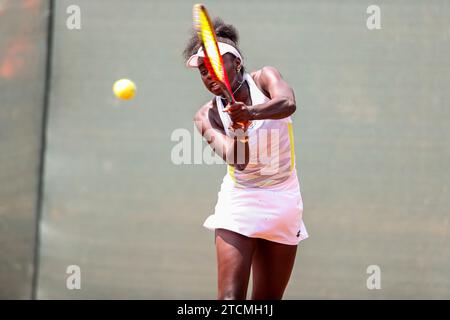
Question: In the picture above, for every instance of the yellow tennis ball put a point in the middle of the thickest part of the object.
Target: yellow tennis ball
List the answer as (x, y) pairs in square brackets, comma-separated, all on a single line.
[(124, 89)]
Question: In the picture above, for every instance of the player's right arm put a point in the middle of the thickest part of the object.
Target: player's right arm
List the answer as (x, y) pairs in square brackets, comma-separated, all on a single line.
[(207, 121)]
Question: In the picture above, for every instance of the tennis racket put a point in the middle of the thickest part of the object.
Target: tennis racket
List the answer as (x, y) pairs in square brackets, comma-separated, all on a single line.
[(213, 60)]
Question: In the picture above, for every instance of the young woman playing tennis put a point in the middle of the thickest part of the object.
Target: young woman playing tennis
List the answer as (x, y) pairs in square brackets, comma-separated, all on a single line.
[(258, 217)]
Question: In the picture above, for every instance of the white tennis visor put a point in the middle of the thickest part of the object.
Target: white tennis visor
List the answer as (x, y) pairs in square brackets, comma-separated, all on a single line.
[(223, 48)]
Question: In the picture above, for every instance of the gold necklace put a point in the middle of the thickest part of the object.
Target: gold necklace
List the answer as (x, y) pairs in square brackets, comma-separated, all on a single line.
[(240, 85)]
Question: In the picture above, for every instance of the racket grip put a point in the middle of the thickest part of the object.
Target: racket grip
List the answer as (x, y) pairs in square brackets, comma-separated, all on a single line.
[(241, 125), (230, 99)]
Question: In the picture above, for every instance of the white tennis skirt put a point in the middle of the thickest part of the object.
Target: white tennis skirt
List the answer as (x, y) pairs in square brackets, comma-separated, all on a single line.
[(274, 213)]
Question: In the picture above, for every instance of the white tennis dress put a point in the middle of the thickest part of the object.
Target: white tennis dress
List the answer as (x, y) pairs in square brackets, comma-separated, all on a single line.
[(263, 200)]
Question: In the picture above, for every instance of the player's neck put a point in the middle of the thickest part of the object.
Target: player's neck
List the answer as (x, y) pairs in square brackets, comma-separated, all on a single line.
[(241, 91)]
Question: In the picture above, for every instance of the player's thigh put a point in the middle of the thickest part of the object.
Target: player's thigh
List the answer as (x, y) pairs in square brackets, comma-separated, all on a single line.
[(272, 267), (234, 259)]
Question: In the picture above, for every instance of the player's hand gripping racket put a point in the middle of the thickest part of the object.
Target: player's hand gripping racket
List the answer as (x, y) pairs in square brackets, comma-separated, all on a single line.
[(213, 60)]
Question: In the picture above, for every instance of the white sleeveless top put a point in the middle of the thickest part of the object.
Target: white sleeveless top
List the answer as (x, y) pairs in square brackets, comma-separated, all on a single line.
[(271, 144), (264, 200)]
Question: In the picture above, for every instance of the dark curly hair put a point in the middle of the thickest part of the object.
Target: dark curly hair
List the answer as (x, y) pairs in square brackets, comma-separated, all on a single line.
[(226, 33)]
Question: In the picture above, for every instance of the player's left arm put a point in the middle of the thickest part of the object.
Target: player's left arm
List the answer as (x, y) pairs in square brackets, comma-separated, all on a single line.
[(281, 104)]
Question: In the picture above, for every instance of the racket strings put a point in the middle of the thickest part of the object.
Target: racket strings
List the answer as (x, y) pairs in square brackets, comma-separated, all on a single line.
[(209, 44)]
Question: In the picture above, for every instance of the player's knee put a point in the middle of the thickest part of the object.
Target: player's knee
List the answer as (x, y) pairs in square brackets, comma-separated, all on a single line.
[(231, 294), (267, 293), (267, 296)]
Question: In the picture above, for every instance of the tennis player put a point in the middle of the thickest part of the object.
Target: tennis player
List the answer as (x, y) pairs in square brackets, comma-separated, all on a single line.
[(258, 216)]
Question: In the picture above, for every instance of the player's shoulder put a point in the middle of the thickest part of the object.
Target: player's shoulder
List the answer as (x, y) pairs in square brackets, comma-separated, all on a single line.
[(265, 73), (206, 109), (264, 76), (210, 104)]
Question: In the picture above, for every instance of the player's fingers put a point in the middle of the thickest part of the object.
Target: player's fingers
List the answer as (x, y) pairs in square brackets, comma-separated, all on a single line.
[(233, 106), (237, 116), (235, 112)]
